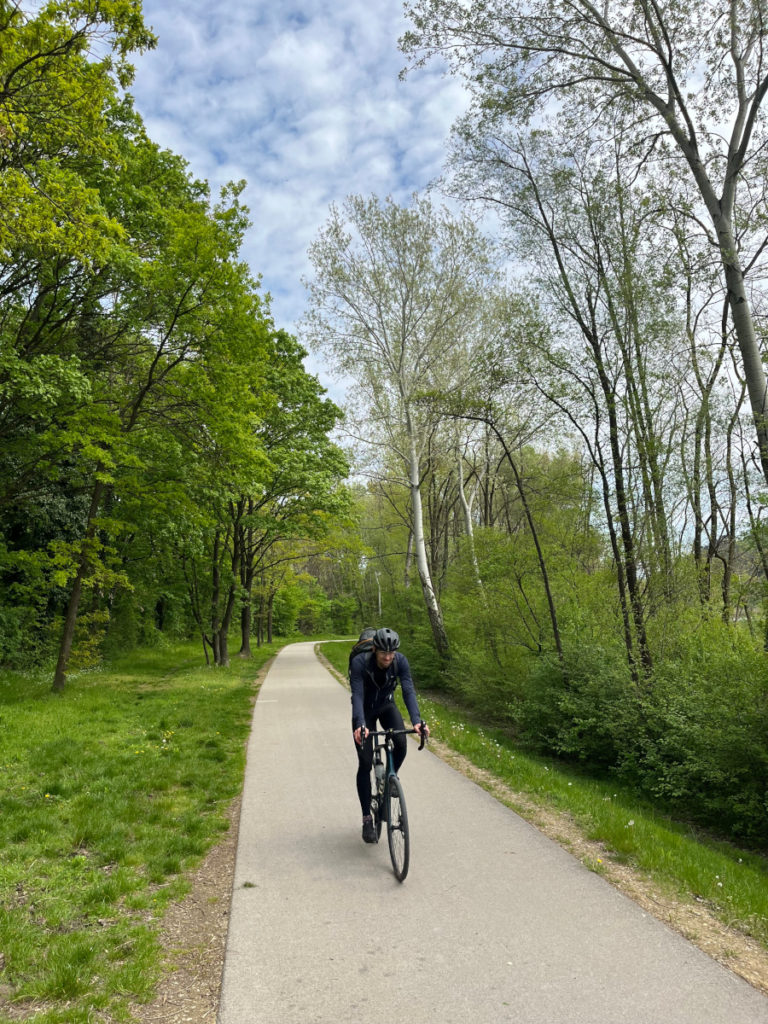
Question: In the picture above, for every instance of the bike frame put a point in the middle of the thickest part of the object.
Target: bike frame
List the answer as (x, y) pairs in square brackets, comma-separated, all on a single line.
[(391, 796), (388, 744)]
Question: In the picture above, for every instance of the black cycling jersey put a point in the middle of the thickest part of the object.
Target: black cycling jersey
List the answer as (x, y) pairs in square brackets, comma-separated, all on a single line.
[(373, 687)]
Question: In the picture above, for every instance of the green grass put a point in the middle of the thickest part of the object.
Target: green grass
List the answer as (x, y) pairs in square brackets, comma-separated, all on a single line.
[(684, 862), (110, 794)]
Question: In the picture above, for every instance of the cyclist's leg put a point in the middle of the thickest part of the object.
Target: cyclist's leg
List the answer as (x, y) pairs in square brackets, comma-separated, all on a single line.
[(364, 768), (390, 718)]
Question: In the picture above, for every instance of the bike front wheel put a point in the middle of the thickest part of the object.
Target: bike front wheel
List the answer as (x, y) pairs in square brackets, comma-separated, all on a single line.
[(397, 829)]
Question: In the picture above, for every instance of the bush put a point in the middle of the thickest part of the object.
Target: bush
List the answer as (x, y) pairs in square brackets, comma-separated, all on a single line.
[(705, 749), (22, 642), (586, 710)]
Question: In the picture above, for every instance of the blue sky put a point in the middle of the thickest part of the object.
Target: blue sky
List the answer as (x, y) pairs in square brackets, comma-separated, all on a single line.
[(303, 101)]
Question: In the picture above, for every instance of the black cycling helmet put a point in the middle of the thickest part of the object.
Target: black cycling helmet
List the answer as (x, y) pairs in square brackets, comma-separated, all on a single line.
[(386, 640), (368, 634)]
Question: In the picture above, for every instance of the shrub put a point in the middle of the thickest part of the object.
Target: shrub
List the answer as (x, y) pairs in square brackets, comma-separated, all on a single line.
[(706, 743)]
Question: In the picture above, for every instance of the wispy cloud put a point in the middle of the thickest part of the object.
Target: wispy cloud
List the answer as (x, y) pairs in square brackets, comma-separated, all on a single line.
[(303, 101)]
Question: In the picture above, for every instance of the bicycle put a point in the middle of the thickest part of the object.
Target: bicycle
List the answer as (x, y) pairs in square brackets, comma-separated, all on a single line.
[(388, 801)]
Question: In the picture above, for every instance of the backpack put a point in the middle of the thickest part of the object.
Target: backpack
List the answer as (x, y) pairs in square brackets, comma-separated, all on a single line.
[(364, 644)]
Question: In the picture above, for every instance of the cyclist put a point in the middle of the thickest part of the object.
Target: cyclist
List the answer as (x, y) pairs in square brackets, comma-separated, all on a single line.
[(373, 679)]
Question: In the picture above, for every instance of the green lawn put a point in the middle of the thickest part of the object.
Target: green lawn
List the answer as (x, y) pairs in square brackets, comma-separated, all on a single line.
[(110, 793)]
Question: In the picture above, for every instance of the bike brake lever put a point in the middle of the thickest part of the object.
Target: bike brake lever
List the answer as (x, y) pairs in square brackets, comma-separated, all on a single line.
[(423, 736)]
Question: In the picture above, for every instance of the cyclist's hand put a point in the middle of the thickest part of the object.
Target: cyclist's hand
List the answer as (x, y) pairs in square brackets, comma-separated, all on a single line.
[(422, 729), (360, 740)]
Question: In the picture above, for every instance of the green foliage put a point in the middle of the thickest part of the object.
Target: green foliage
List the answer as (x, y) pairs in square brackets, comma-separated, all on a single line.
[(152, 413), (52, 123), (585, 709), (302, 606), (314, 614), (703, 748), (343, 612)]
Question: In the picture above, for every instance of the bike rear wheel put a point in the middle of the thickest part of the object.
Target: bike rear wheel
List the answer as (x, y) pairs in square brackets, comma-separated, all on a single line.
[(397, 829)]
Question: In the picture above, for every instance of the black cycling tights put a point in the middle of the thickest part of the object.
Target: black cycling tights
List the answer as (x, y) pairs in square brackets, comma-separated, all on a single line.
[(390, 718)]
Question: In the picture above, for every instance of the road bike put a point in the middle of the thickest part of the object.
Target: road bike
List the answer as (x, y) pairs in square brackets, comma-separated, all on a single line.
[(387, 800)]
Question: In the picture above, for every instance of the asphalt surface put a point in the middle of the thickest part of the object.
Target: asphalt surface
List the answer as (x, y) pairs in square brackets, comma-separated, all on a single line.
[(494, 922)]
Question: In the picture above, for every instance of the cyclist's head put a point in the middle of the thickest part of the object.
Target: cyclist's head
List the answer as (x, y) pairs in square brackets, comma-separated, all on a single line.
[(386, 640), (368, 634)]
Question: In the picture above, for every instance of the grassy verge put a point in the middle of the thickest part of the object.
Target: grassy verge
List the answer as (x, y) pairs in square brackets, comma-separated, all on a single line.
[(109, 794), (733, 882)]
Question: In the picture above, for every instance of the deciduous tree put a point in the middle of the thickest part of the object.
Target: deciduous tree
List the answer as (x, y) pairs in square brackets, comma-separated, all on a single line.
[(686, 80), (395, 289)]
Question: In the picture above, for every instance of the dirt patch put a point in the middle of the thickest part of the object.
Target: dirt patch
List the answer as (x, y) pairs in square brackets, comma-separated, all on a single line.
[(194, 937), (194, 934)]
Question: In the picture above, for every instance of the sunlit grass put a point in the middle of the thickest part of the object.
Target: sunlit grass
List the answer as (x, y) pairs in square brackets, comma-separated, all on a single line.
[(110, 793), (683, 861)]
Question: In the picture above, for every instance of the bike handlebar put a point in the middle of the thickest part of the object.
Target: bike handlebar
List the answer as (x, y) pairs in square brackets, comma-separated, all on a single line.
[(402, 732)]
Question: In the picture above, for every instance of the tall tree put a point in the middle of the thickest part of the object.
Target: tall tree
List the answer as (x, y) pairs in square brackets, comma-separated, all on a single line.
[(54, 94), (596, 256), (395, 289), (688, 80)]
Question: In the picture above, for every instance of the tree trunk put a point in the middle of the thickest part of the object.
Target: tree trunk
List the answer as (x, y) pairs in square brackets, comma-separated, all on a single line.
[(246, 613), (702, 572), (261, 614), (430, 597), (703, 451), (226, 622), (408, 566), (70, 620), (466, 508), (223, 648), (730, 555), (215, 594), (539, 553), (270, 604), (246, 620), (194, 601), (629, 556)]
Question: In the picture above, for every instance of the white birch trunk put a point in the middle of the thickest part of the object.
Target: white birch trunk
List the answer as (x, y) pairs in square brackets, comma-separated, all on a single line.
[(408, 561), (466, 508), (430, 597)]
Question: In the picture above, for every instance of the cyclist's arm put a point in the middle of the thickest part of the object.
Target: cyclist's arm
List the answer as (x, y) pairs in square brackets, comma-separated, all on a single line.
[(357, 686)]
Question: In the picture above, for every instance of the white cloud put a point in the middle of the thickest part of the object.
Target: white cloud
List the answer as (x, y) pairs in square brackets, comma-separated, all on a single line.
[(303, 100)]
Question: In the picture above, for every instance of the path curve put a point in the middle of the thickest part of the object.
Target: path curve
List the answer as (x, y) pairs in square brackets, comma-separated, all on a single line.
[(494, 923)]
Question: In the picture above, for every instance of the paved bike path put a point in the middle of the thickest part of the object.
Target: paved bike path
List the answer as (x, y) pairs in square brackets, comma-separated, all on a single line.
[(494, 922)]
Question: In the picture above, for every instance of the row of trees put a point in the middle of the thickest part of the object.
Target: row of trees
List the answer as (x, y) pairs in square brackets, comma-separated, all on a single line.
[(574, 456), (164, 456)]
